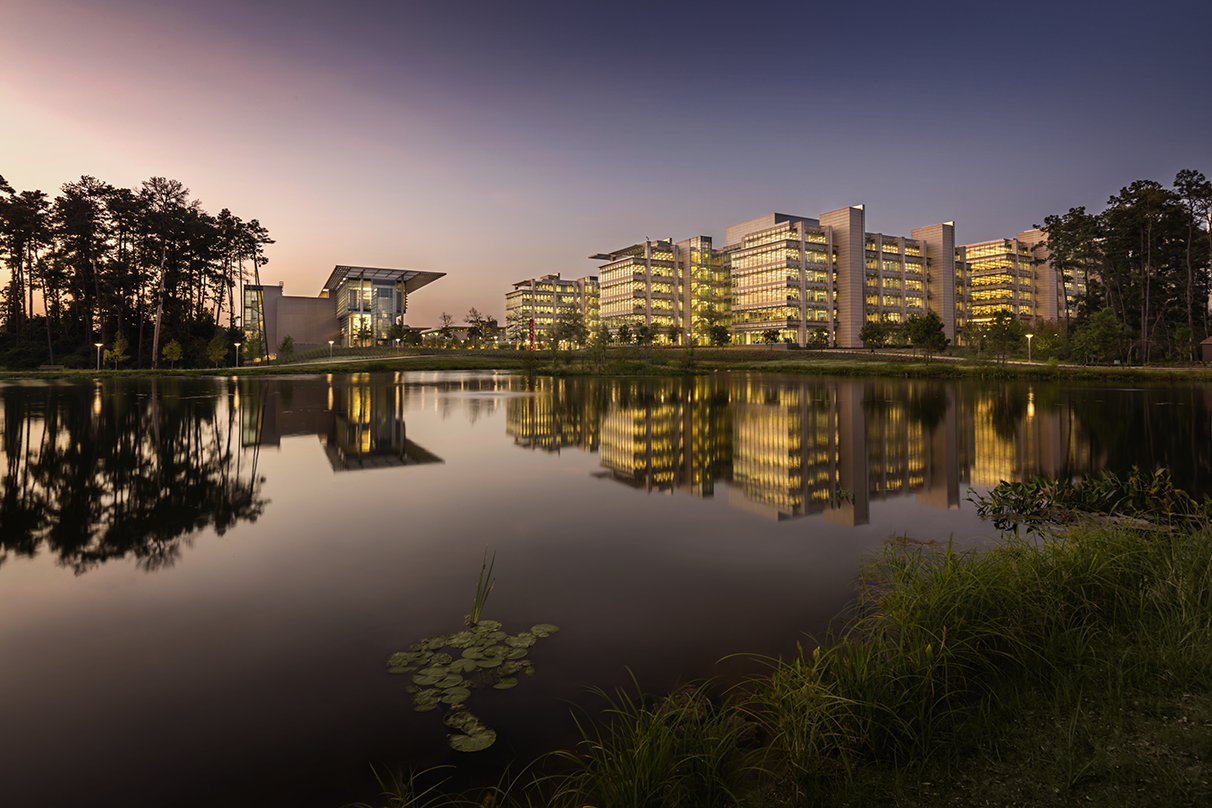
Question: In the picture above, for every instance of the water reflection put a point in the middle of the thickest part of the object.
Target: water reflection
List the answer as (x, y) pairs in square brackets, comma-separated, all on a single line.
[(135, 468), (784, 447), (102, 472), (360, 422)]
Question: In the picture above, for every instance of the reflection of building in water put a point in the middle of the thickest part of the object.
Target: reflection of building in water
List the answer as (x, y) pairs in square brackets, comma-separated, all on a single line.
[(360, 424), (674, 435), (788, 450), (552, 417), (1015, 437)]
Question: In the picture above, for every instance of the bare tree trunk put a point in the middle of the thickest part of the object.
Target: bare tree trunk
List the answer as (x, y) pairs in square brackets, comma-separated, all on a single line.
[(159, 308)]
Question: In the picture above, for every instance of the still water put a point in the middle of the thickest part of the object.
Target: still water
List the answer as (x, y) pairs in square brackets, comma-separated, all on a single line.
[(201, 579)]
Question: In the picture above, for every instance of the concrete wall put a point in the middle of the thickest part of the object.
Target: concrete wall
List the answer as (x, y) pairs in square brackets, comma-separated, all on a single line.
[(849, 229), (310, 321), (940, 255)]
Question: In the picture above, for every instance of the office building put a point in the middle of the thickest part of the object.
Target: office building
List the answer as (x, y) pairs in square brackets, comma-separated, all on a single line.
[(813, 281), (357, 306)]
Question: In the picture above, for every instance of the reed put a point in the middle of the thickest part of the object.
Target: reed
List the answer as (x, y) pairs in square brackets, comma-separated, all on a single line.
[(680, 750), (483, 587)]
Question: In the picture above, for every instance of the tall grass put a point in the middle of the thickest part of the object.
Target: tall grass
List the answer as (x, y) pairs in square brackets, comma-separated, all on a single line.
[(947, 640), (682, 750)]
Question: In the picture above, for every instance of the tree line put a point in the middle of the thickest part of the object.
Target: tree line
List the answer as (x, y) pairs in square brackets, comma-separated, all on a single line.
[(1145, 263), (141, 270)]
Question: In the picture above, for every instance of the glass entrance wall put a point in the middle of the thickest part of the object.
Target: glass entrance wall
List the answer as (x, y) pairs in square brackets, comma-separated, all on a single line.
[(367, 309)]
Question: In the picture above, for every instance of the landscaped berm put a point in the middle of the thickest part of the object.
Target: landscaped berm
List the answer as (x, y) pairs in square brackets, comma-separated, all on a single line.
[(1068, 664)]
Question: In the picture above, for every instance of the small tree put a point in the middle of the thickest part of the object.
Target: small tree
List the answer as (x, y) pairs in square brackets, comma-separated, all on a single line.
[(873, 334), (364, 333), (475, 325), (216, 351), (447, 327), (1100, 337), (624, 334), (172, 353), (1005, 334), (770, 336), (570, 327), (598, 341), (117, 353), (287, 349), (645, 335), (252, 347), (719, 335), (674, 332), (927, 334)]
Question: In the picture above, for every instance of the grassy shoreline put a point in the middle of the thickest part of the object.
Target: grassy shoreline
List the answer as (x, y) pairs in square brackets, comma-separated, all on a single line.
[(669, 362), (1069, 668)]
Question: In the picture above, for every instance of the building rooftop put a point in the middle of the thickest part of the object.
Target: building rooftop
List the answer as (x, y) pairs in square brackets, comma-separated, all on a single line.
[(413, 279)]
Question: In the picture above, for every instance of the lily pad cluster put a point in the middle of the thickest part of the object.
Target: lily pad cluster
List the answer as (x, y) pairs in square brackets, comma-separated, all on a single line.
[(447, 667)]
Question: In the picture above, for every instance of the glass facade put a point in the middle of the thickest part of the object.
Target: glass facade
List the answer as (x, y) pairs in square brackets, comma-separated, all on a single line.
[(367, 308)]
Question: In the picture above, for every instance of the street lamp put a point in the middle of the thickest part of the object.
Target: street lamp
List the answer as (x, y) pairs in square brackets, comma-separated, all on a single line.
[(1029, 336), (330, 342), (238, 344), (98, 344), (397, 346)]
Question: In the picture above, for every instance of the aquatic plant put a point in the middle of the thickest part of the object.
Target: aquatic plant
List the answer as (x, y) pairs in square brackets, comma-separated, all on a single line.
[(1140, 499), (482, 590)]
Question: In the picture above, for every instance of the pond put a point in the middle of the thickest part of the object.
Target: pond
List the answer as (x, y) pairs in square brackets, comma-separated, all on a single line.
[(201, 580)]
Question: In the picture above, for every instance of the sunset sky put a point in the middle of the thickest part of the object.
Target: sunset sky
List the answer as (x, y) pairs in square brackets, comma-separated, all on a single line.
[(499, 140)]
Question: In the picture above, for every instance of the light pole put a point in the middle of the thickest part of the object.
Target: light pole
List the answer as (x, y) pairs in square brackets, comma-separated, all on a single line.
[(1029, 336), (397, 346), (330, 342), (238, 344), (98, 344)]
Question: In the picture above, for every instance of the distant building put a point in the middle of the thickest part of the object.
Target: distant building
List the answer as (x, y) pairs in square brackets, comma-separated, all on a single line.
[(814, 281), (1014, 275), (357, 306), (544, 299)]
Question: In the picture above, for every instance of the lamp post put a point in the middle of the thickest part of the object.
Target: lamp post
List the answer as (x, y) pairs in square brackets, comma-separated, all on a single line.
[(98, 344), (238, 344), (397, 346), (330, 342), (1029, 336)]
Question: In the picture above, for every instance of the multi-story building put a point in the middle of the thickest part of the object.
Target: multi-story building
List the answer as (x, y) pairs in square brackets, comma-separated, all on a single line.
[(544, 299), (357, 306), (1014, 275), (814, 281)]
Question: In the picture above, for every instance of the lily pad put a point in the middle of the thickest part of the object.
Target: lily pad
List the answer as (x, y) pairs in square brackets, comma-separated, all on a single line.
[(441, 659), (425, 680), (506, 683), (523, 640), (517, 653), (454, 680), (472, 743), (494, 651), (463, 665), (412, 689), (456, 695), (488, 662), (491, 625), (462, 639), (473, 653), (544, 629)]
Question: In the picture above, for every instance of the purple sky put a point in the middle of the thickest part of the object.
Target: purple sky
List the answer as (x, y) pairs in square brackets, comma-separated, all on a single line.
[(499, 140)]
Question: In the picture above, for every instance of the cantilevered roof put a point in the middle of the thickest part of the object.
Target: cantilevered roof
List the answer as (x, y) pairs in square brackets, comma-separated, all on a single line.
[(413, 279)]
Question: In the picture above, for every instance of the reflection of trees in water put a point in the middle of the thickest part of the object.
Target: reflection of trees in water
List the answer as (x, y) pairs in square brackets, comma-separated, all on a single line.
[(122, 470), (1150, 429)]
